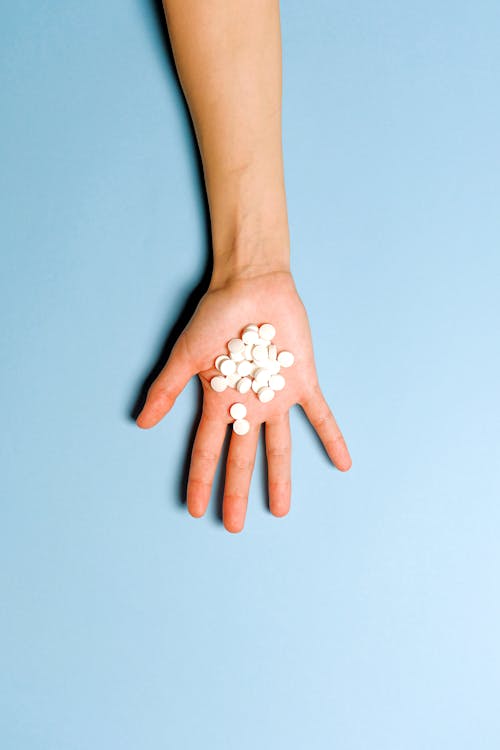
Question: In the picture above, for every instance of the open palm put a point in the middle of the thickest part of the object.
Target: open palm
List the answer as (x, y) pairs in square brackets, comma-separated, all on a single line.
[(221, 315)]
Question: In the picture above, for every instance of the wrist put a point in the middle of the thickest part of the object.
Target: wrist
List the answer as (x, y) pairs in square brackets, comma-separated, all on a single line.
[(236, 267), (250, 236), (248, 256)]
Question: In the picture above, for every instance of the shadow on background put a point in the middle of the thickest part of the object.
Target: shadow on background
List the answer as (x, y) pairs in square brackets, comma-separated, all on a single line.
[(159, 27)]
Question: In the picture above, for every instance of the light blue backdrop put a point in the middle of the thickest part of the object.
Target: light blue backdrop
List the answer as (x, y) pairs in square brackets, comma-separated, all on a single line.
[(368, 619)]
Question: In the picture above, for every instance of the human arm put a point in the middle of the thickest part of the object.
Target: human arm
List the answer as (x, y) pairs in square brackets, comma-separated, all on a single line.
[(228, 55)]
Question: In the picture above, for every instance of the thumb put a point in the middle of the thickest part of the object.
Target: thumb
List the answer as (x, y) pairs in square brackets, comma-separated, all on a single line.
[(167, 386)]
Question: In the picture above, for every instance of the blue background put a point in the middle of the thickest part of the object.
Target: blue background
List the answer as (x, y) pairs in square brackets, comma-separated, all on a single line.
[(368, 619)]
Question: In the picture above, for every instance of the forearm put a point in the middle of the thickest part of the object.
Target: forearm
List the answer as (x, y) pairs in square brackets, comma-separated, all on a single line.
[(228, 55)]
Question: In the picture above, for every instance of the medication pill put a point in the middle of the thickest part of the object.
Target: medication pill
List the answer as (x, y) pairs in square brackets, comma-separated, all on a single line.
[(266, 394), (237, 357), (232, 380), (256, 386), (262, 342), (277, 382), (286, 359), (259, 353), (251, 327), (250, 337), (272, 352), (243, 385), (238, 411), (262, 375), (248, 352), (220, 359), (235, 346), (219, 383), (272, 365), (241, 426), (245, 368), (267, 332), (227, 366)]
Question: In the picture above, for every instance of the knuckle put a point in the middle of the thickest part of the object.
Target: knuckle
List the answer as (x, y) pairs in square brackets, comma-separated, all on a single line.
[(204, 455), (324, 417), (160, 392), (198, 482), (240, 463), (279, 454), (235, 496)]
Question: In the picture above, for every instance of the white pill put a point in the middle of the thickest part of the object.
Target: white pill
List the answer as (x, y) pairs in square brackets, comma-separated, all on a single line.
[(220, 359), (248, 352), (277, 382), (232, 380), (219, 383), (259, 353), (272, 351), (286, 359), (267, 332), (251, 327), (227, 366), (262, 375), (266, 394), (245, 368), (241, 426), (237, 356), (235, 345), (256, 386), (262, 342), (272, 365), (243, 385), (238, 411), (250, 337)]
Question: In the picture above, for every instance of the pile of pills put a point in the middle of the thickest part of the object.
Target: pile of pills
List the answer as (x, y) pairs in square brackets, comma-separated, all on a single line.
[(252, 363)]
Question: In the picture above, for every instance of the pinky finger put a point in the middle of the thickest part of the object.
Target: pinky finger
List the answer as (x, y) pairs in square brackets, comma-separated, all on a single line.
[(320, 416)]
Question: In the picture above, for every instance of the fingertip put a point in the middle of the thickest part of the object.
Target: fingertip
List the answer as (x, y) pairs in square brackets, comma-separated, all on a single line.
[(196, 512), (279, 498), (343, 464), (279, 510), (142, 422), (233, 525), (196, 506)]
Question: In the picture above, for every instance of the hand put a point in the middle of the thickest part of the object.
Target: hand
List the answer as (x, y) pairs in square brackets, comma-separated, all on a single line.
[(221, 315)]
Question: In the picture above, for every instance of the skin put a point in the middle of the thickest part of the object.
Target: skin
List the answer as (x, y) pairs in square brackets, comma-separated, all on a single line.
[(228, 56)]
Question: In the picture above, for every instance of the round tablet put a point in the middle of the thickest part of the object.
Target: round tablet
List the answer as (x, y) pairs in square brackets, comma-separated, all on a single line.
[(219, 383), (272, 351), (243, 385), (238, 411), (261, 375), (227, 366), (245, 368), (251, 327), (250, 337), (286, 359), (266, 394), (248, 352), (241, 426), (259, 353), (273, 366), (256, 386), (235, 345), (267, 332), (277, 382), (220, 359), (237, 357)]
